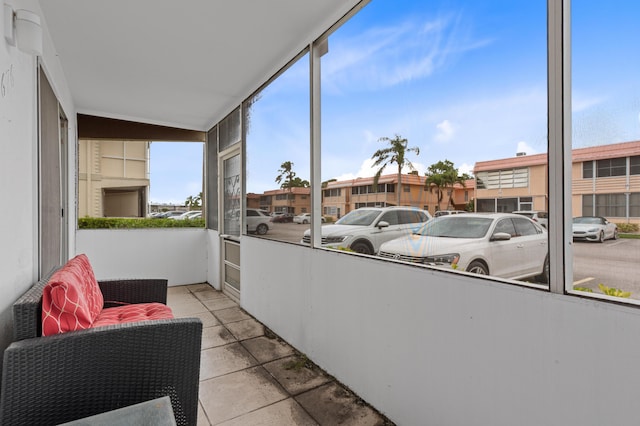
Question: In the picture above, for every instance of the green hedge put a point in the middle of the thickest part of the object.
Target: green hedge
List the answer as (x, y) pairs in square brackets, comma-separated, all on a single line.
[(627, 227), (130, 223)]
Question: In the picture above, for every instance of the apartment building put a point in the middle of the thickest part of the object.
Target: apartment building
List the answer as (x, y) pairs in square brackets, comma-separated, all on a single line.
[(288, 200), (341, 197), (113, 178), (605, 182)]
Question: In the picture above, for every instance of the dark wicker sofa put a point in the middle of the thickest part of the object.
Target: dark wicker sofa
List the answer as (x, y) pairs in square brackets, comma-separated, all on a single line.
[(55, 379)]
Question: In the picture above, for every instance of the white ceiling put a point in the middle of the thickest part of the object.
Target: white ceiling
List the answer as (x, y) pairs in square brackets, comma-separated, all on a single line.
[(179, 63)]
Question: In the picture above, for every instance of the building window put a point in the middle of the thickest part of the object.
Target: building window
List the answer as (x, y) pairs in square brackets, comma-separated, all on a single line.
[(611, 205), (330, 210), (501, 179), (526, 203), (606, 205), (612, 167), (587, 205), (587, 169), (634, 204), (634, 165)]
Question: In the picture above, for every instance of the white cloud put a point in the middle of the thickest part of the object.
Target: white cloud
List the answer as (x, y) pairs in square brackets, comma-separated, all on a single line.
[(367, 170), (445, 131), (580, 102), (370, 61), (465, 168), (526, 148)]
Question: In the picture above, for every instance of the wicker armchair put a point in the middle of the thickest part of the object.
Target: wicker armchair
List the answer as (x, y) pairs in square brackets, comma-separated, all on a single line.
[(64, 377)]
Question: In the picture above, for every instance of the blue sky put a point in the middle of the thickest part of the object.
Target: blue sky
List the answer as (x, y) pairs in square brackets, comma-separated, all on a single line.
[(461, 80), (175, 170)]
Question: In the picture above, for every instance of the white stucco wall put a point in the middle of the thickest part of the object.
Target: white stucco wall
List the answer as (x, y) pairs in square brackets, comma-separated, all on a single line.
[(177, 254), (428, 347), (18, 163)]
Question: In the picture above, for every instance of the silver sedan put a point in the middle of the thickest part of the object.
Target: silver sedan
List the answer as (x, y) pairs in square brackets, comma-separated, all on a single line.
[(594, 228)]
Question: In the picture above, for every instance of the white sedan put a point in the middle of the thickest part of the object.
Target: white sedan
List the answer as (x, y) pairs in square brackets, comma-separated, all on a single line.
[(498, 244), (594, 228), (305, 218)]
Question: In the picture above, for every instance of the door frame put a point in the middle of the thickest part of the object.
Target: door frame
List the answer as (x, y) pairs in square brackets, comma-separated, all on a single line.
[(228, 240)]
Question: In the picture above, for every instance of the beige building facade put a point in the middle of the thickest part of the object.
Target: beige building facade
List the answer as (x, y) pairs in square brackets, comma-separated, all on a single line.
[(113, 178), (341, 197), (605, 182)]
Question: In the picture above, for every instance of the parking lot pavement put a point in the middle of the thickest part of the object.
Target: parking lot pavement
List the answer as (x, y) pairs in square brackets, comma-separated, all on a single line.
[(290, 232), (614, 263)]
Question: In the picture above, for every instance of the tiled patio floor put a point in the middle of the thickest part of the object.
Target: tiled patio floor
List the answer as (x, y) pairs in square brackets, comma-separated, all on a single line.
[(248, 376)]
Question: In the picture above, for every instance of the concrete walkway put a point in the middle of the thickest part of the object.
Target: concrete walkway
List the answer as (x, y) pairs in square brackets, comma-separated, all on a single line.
[(249, 376)]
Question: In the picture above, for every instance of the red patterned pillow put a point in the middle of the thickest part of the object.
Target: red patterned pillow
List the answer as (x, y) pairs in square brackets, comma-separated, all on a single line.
[(72, 299), (132, 313)]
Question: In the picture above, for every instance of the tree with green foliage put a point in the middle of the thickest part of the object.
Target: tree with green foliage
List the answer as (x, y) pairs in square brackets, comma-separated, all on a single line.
[(193, 202), (395, 153), (297, 183), (443, 176), (286, 177)]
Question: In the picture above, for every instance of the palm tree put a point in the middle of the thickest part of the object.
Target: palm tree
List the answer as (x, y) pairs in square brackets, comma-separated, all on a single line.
[(394, 153), (193, 202), (443, 175), (285, 178)]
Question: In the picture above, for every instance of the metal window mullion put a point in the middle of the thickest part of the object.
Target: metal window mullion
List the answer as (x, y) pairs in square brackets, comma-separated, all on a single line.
[(560, 160)]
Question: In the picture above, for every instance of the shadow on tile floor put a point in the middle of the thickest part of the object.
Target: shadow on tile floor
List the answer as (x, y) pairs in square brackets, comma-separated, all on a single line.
[(249, 376)]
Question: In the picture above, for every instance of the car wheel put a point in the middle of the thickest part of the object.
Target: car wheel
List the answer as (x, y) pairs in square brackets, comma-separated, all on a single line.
[(544, 276), (601, 237), (615, 234), (361, 247), (479, 268), (305, 222), (262, 229)]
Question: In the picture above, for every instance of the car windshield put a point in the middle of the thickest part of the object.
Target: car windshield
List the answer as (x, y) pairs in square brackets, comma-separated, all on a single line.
[(588, 220), (456, 227), (359, 217)]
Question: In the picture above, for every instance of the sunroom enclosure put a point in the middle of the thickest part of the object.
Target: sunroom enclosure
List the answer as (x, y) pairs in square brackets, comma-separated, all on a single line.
[(423, 346)]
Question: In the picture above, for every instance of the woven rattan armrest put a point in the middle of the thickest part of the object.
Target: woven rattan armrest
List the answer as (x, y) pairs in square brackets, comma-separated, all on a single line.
[(56, 379)]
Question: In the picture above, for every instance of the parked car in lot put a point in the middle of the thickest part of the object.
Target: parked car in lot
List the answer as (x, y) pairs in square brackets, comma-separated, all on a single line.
[(305, 218), (282, 218), (594, 228), (499, 244), (188, 215), (169, 214), (365, 229), (537, 216), (448, 212), (257, 221)]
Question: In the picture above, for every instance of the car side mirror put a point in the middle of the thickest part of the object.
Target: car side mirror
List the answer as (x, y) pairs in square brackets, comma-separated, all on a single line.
[(501, 236), (383, 224)]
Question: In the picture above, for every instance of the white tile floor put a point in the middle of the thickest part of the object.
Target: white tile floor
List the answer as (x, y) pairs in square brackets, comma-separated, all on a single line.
[(248, 376)]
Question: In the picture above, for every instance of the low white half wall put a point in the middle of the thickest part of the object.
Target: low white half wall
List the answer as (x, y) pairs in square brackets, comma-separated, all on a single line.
[(435, 348), (178, 254)]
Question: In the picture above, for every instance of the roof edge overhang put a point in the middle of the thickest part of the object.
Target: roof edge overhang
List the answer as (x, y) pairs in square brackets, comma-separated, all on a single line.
[(94, 127)]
